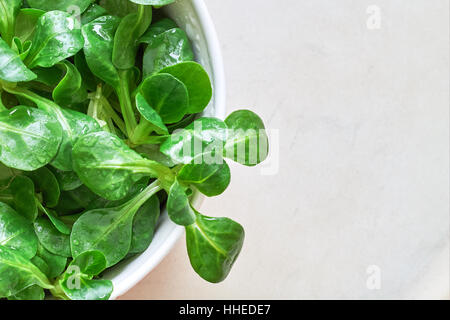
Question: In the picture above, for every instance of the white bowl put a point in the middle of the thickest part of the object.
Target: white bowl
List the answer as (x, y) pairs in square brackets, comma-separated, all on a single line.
[(193, 17)]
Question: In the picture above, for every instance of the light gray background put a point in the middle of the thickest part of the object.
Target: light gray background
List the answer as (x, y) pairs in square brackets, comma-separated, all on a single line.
[(363, 120)]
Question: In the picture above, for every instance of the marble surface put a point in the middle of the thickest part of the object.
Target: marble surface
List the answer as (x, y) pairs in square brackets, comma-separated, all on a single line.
[(358, 206)]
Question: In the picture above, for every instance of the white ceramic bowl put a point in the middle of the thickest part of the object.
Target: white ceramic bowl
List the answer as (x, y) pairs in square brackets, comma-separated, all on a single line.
[(193, 17)]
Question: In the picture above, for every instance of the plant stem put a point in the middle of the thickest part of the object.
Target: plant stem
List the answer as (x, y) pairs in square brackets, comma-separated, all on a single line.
[(123, 92), (41, 207), (95, 103), (101, 102), (98, 111), (157, 170), (109, 110), (8, 24), (135, 203), (142, 131), (57, 291), (152, 140)]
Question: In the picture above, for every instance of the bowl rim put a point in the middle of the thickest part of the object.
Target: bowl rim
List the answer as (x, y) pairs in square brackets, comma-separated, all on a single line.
[(218, 79)]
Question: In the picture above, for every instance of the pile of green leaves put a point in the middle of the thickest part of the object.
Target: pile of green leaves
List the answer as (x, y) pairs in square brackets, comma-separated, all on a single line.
[(90, 146)]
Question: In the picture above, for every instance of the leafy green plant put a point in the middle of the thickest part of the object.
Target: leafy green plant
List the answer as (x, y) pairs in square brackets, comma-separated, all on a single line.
[(26, 23), (61, 5), (167, 46), (77, 281), (9, 9), (57, 37), (11, 66), (25, 145), (109, 230), (17, 233), (213, 246), (18, 273), (100, 128)]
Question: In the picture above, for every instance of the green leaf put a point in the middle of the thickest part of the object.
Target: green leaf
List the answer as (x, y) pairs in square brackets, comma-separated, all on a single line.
[(166, 49), (187, 120), (77, 281), (178, 207), (118, 8), (98, 48), (21, 47), (111, 168), (70, 90), (93, 12), (144, 225), (151, 151), (76, 125), (56, 264), (29, 138), (67, 180), (72, 6), (91, 263), (6, 176), (136, 189), (247, 141), (151, 116), (12, 68), (196, 81), (167, 96), (75, 200), (130, 29), (157, 28), (90, 81), (8, 13), (203, 140), (153, 2), (89, 290), (46, 184), (17, 45), (210, 179), (6, 195), (108, 230), (51, 239), (18, 273), (25, 49), (213, 246), (41, 264), (16, 232), (57, 37), (70, 219), (23, 192), (50, 77), (53, 217), (33, 292), (26, 23)]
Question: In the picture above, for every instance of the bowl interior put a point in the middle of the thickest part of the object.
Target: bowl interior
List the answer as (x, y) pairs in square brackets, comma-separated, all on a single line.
[(192, 16)]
